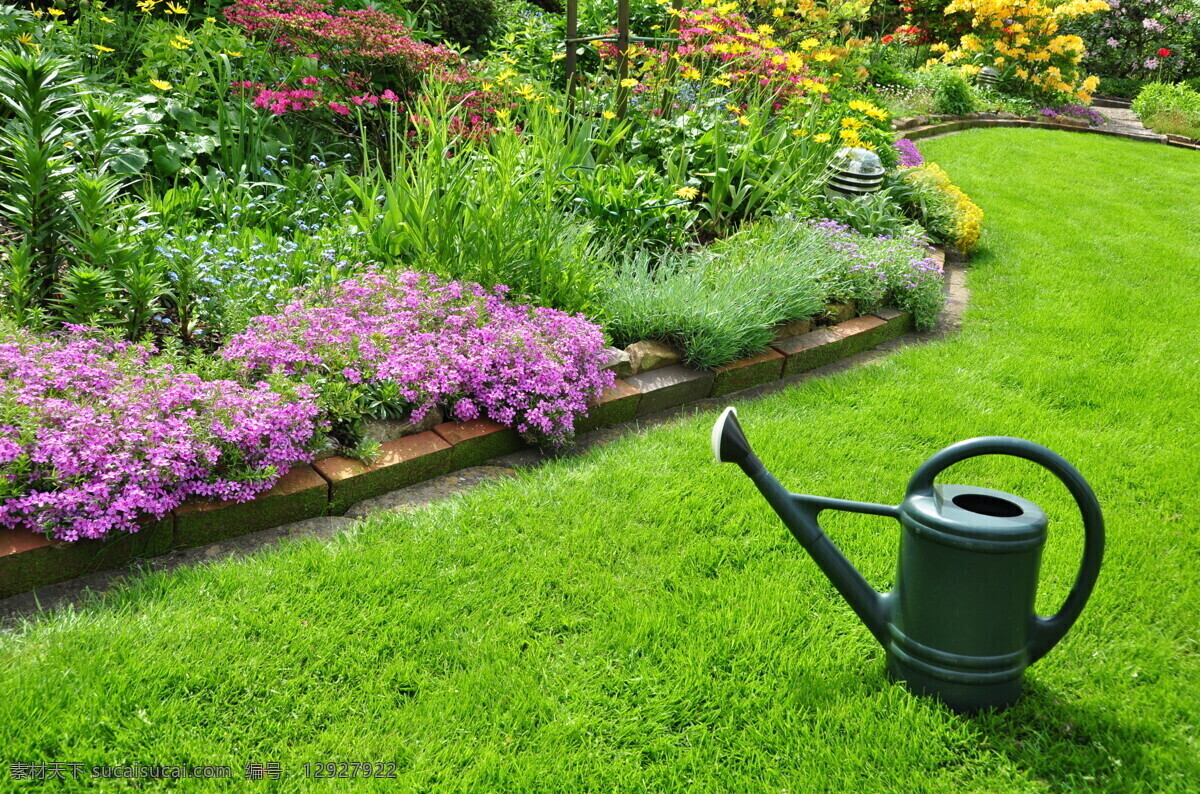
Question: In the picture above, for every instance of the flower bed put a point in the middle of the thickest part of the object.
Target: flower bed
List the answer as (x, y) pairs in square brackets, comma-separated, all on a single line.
[(95, 436), (405, 343)]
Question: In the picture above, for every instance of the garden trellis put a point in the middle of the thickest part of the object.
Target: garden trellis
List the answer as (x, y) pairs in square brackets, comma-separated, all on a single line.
[(621, 39)]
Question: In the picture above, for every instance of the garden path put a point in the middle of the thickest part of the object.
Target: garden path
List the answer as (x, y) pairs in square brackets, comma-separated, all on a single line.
[(1122, 120)]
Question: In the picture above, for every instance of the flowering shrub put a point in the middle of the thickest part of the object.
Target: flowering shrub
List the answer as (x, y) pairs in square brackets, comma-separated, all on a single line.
[(1024, 38), (1143, 38), (95, 435), (876, 271), (946, 212), (370, 43), (867, 126), (417, 342), (721, 47)]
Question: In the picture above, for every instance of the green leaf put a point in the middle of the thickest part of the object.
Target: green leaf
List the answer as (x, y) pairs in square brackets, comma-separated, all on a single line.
[(165, 160), (128, 161)]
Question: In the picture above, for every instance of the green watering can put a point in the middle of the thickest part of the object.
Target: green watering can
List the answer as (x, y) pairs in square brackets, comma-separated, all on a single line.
[(959, 624)]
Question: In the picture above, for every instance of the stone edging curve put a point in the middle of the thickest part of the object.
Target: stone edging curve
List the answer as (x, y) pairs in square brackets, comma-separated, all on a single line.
[(332, 485), (906, 128)]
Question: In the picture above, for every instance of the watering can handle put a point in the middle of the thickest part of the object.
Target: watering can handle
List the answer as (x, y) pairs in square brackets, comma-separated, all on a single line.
[(1044, 632)]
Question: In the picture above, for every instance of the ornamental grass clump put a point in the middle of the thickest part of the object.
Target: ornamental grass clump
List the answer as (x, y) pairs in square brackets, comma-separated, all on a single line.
[(97, 436), (400, 344)]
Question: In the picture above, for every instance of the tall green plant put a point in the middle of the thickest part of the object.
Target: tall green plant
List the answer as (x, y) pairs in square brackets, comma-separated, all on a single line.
[(492, 211), (35, 165)]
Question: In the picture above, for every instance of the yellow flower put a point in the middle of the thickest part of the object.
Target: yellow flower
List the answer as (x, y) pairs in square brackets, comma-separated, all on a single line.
[(27, 40), (824, 57), (183, 40), (175, 8), (55, 12), (799, 133), (691, 73), (809, 44), (102, 48), (161, 85), (233, 53), (608, 114), (744, 121), (210, 19), (766, 30), (107, 20), (777, 13), (821, 138), (734, 109), (558, 56), (876, 113), (509, 59), (688, 193), (629, 82), (720, 81), (179, 46)]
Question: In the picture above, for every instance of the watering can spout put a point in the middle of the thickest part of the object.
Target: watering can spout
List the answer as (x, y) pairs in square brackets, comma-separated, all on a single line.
[(799, 513)]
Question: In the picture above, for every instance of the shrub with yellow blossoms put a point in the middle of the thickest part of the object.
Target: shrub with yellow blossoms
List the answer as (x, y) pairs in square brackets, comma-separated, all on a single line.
[(1024, 39)]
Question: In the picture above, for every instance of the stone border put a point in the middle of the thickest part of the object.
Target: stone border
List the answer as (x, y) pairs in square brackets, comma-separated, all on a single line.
[(926, 127), (330, 486)]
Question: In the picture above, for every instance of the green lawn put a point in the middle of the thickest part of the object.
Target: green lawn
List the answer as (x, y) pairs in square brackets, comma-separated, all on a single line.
[(638, 619)]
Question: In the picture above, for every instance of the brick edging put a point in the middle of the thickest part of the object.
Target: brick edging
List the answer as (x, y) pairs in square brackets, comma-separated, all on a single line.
[(958, 124), (331, 485)]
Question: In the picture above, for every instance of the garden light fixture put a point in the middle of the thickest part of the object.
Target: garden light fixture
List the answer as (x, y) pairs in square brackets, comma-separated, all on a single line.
[(855, 172)]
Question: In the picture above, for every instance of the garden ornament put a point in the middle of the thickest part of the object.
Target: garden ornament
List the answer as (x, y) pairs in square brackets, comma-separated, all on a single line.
[(959, 624)]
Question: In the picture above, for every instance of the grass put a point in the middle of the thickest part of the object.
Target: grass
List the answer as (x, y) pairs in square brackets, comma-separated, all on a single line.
[(637, 619)]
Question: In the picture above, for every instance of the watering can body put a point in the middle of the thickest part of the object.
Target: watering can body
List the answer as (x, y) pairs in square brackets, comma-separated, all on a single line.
[(959, 623)]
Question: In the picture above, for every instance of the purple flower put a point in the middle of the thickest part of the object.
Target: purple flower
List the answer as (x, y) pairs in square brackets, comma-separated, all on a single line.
[(100, 437), (448, 344), (910, 157)]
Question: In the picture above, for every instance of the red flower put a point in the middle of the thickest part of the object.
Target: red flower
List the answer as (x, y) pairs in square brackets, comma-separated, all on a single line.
[(1164, 52), (887, 39)]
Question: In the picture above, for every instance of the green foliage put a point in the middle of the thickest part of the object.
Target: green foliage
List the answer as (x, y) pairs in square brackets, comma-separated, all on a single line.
[(1169, 108), (465, 23), (722, 303), (489, 211), (951, 93), (627, 200), (873, 214), (1156, 98), (885, 72), (39, 92), (1122, 87)]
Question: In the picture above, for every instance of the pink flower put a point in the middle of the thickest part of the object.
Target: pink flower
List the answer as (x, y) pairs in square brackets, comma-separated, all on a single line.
[(339, 108)]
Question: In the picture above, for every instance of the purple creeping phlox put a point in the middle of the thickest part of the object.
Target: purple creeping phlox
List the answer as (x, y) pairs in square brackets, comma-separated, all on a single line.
[(442, 343), (96, 436)]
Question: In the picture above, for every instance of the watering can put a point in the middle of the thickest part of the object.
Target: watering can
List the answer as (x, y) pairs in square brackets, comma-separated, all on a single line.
[(959, 624)]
